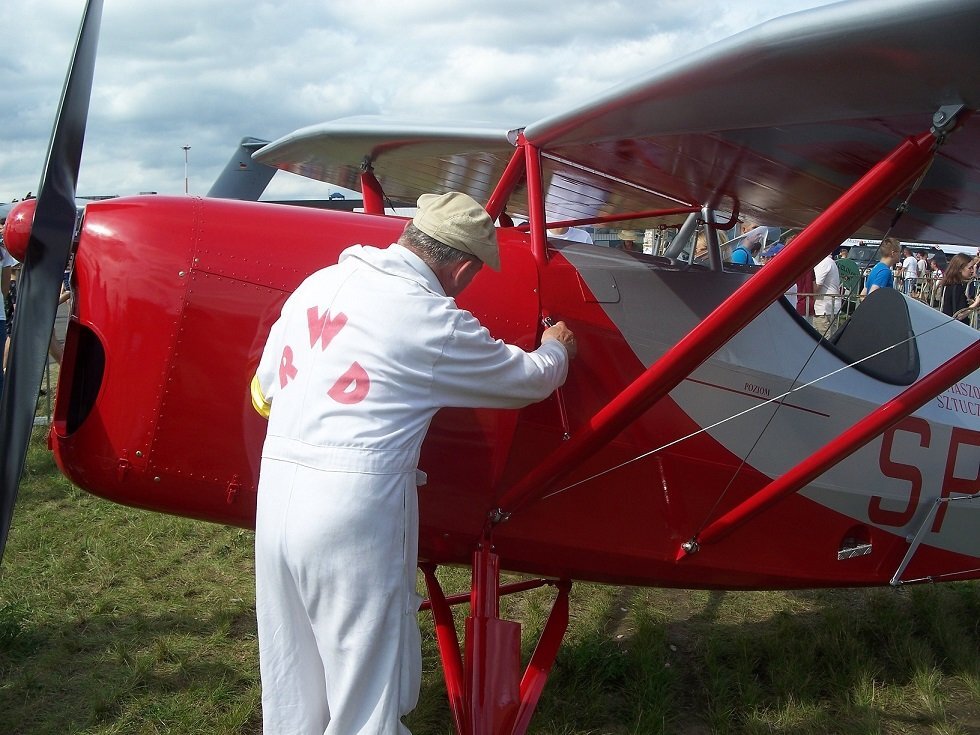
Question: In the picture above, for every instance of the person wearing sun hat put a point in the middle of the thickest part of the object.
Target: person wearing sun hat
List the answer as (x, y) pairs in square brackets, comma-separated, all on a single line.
[(458, 220), (362, 356)]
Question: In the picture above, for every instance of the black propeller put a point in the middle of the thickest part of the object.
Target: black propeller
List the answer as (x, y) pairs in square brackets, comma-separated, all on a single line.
[(44, 265)]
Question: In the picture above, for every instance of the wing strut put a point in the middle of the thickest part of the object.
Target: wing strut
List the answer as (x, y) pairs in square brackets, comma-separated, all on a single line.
[(610, 218), (509, 180), (868, 195), (535, 200), (374, 197), (879, 420)]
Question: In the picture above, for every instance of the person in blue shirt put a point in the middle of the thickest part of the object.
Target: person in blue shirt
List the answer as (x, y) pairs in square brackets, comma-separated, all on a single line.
[(751, 243), (881, 275)]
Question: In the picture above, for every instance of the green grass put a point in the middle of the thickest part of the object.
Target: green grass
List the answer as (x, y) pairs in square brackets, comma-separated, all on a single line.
[(114, 620)]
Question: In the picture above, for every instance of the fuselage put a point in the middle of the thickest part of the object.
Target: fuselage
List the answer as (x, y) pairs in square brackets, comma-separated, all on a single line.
[(174, 298)]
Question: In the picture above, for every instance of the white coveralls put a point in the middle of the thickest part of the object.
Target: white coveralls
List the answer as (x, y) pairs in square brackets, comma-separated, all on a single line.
[(363, 355)]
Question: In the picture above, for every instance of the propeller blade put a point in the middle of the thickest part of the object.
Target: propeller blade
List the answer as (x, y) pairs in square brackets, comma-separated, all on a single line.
[(47, 255)]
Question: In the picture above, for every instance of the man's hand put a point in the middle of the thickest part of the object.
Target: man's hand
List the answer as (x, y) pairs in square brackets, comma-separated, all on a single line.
[(563, 334)]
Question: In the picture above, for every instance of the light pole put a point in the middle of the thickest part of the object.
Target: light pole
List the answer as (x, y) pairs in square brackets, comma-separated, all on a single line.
[(186, 148)]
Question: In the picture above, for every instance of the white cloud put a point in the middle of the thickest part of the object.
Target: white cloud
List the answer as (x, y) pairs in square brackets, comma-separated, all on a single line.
[(208, 72)]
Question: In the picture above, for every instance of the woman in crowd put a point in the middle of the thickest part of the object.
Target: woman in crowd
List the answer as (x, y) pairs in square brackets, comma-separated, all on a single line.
[(959, 273)]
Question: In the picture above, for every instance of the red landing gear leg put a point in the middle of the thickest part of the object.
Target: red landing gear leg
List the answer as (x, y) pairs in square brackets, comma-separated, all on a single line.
[(485, 695)]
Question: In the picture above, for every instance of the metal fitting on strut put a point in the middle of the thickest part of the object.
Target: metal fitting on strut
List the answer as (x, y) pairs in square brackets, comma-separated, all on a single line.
[(945, 119), (690, 547), (498, 516)]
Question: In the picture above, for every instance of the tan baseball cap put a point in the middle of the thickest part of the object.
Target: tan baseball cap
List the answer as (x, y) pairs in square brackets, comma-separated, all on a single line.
[(458, 220)]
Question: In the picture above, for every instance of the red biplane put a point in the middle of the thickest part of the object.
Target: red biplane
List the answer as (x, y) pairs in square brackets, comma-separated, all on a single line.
[(707, 437)]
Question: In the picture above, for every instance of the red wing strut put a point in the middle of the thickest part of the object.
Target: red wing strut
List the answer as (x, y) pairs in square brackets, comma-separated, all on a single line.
[(868, 195)]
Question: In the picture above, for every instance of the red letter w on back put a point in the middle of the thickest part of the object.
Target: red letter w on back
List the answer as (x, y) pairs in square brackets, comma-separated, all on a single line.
[(324, 328)]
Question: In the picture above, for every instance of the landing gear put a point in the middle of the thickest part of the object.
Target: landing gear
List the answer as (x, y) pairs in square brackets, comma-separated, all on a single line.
[(485, 695)]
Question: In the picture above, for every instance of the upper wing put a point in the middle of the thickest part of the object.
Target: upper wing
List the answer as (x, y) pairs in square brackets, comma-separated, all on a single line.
[(775, 122), (407, 157), (780, 119)]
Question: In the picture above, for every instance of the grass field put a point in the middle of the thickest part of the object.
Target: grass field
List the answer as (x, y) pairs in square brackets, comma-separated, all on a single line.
[(114, 620)]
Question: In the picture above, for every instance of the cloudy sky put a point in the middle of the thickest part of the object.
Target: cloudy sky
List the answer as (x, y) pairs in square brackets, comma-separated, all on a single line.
[(206, 73)]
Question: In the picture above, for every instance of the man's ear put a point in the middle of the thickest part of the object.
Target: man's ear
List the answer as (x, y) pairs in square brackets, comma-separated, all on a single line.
[(469, 268), (460, 274)]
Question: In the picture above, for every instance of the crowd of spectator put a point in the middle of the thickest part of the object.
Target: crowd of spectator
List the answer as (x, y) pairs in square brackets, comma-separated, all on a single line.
[(832, 290), (837, 284)]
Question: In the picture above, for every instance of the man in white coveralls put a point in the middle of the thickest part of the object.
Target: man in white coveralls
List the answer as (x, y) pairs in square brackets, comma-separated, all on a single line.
[(363, 355)]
